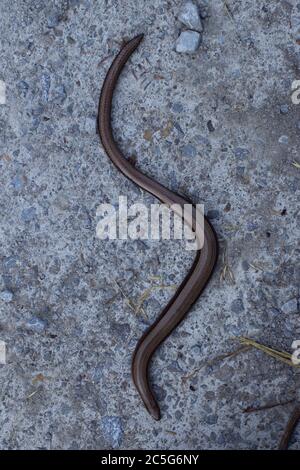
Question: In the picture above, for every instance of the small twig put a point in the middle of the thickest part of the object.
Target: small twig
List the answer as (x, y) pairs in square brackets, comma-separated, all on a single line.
[(103, 60), (134, 74), (267, 407), (226, 270), (221, 357), (185, 378), (6, 158), (146, 294), (172, 433), (229, 13), (111, 299), (157, 76), (38, 378), (129, 301), (145, 71), (291, 425)]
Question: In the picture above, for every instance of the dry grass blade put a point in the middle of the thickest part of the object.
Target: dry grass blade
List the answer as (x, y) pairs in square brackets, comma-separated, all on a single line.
[(231, 228), (155, 278), (256, 267), (137, 307), (282, 356), (250, 409), (226, 271), (296, 165), (32, 394), (216, 359), (146, 294), (172, 433), (129, 302)]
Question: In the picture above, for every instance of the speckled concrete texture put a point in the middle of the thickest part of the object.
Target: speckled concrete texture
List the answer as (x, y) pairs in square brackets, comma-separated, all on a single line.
[(219, 126)]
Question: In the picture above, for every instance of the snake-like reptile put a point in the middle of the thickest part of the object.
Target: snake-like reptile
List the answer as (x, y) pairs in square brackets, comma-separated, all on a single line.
[(200, 272)]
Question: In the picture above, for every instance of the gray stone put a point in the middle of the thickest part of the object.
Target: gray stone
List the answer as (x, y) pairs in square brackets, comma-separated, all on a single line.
[(98, 374), (251, 226), (6, 296), (240, 171), (18, 183), (58, 94), (211, 419), (28, 214), (188, 42), (36, 324), (213, 214), (189, 16), (241, 153), (291, 306), (245, 265), (10, 262), (160, 392), (112, 430), (237, 306), (284, 109), (53, 20), (177, 107), (23, 88), (120, 330), (189, 151)]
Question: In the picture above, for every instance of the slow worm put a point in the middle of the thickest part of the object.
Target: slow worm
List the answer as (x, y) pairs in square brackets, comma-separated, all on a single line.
[(205, 260)]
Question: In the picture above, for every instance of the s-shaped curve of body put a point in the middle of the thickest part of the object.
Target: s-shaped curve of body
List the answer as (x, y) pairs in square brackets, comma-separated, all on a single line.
[(205, 260)]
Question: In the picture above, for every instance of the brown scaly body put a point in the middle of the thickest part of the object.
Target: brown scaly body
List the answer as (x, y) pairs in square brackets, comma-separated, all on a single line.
[(205, 260)]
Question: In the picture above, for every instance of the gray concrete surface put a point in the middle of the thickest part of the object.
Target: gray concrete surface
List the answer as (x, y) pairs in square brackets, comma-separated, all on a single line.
[(218, 126)]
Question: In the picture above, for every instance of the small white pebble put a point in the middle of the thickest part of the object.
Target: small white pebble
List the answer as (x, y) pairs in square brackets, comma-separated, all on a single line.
[(283, 139), (188, 42), (189, 16)]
